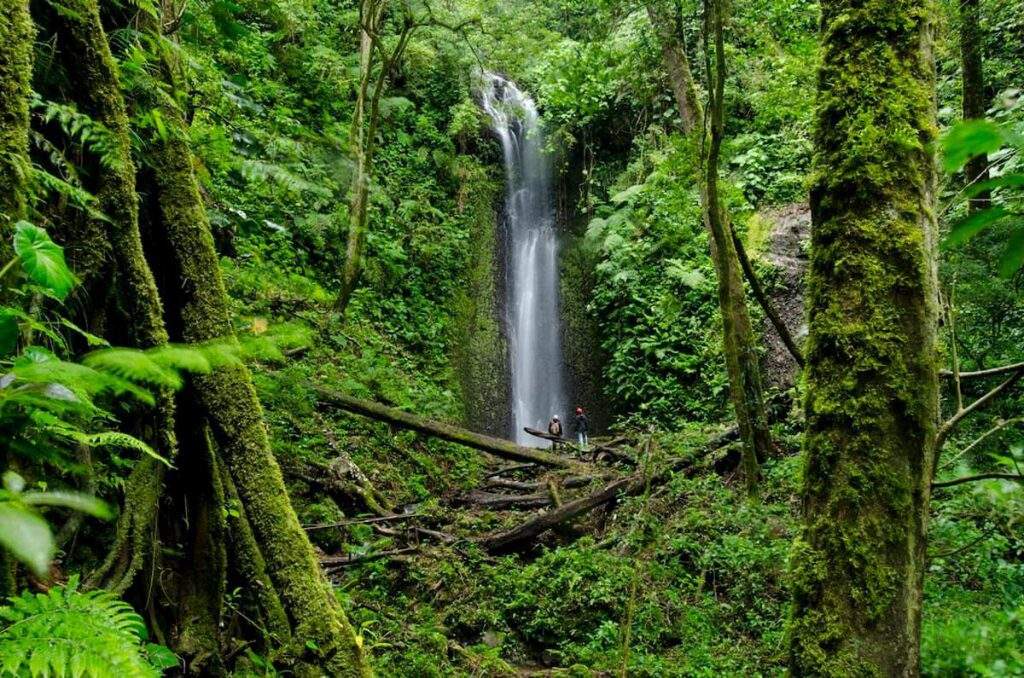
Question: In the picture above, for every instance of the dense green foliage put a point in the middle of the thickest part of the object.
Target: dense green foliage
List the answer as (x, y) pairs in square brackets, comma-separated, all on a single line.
[(67, 631), (688, 579)]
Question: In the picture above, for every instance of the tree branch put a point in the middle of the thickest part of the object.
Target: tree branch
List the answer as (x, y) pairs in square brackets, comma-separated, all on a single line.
[(763, 300), (980, 374), (500, 448), (982, 476), (954, 421)]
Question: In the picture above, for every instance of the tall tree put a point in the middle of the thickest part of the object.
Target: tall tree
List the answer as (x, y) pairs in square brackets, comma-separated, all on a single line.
[(198, 309), (872, 375), (376, 63), (973, 83), (16, 36), (707, 133)]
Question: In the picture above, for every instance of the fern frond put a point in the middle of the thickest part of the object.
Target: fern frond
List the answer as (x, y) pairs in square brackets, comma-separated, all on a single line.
[(136, 366), (89, 132), (69, 632)]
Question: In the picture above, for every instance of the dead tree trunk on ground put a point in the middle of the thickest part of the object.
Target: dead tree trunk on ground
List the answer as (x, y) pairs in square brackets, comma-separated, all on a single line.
[(500, 448)]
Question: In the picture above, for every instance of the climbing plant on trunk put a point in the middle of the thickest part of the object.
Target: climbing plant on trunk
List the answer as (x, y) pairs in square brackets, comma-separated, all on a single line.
[(871, 376)]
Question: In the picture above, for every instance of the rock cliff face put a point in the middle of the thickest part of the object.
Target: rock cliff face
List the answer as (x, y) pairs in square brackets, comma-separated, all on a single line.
[(480, 352), (785, 251), (581, 339)]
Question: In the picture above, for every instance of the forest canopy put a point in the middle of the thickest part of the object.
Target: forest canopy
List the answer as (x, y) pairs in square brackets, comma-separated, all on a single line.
[(511, 338)]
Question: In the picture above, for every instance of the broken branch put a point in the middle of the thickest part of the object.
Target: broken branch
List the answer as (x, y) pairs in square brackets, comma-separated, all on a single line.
[(992, 372), (981, 402)]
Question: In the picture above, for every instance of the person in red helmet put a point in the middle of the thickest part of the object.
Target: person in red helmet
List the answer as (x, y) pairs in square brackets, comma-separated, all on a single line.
[(582, 426)]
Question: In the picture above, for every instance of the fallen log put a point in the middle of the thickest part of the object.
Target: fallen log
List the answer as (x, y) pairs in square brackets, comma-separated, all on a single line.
[(510, 469), (360, 521), (334, 562), (498, 502), (504, 449), (630, 485), (545, 521), (594, 450), (534, 486)]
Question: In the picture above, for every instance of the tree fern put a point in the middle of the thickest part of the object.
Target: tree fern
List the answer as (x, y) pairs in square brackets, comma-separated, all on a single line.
[(68, 632)]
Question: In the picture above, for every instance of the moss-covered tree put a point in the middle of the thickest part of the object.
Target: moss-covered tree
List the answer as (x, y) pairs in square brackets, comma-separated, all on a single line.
[(707, 134), (16, 36), (872, 391), (198, 311)]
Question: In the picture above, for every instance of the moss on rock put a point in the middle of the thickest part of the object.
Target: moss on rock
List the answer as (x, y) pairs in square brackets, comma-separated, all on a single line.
[(479, 351)]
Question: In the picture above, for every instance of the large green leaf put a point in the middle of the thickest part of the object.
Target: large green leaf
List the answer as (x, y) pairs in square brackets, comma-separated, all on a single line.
[(970, 226), (1013, 257), (43, 259), (73, 500), (971, 138), (26, 535)]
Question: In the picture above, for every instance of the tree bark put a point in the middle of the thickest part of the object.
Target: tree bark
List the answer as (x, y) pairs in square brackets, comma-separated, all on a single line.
[(872, 369), (974, 99), (16, 36)]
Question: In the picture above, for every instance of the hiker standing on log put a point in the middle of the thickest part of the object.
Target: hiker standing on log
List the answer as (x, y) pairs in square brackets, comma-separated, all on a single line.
[(582, 425), (555, 429)]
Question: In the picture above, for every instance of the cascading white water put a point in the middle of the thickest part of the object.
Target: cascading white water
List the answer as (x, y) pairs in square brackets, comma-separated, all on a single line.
[(533, 306)]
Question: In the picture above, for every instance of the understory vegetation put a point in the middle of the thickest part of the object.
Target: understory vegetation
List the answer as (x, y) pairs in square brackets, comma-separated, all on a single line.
[(192, 481)]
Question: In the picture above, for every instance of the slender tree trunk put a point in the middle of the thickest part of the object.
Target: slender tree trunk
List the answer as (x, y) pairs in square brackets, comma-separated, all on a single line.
[(740, 347), (872, 369), (198, 304), (16, 36), (974, 99), (363, 133)]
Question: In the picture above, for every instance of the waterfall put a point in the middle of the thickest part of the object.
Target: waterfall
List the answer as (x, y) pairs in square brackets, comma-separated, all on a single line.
[(532, 293)]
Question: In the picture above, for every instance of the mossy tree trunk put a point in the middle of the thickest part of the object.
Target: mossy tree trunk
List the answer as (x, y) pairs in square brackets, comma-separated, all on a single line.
[(974, 98), (707, 134), (85, 51), (198, 310), (16, 36), (872, 373)]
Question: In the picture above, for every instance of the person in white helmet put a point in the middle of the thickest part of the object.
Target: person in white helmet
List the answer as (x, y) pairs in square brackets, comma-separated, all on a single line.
[(555, 426)]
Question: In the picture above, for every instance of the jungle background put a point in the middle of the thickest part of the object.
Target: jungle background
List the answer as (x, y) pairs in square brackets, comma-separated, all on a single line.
[(689, 578)]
